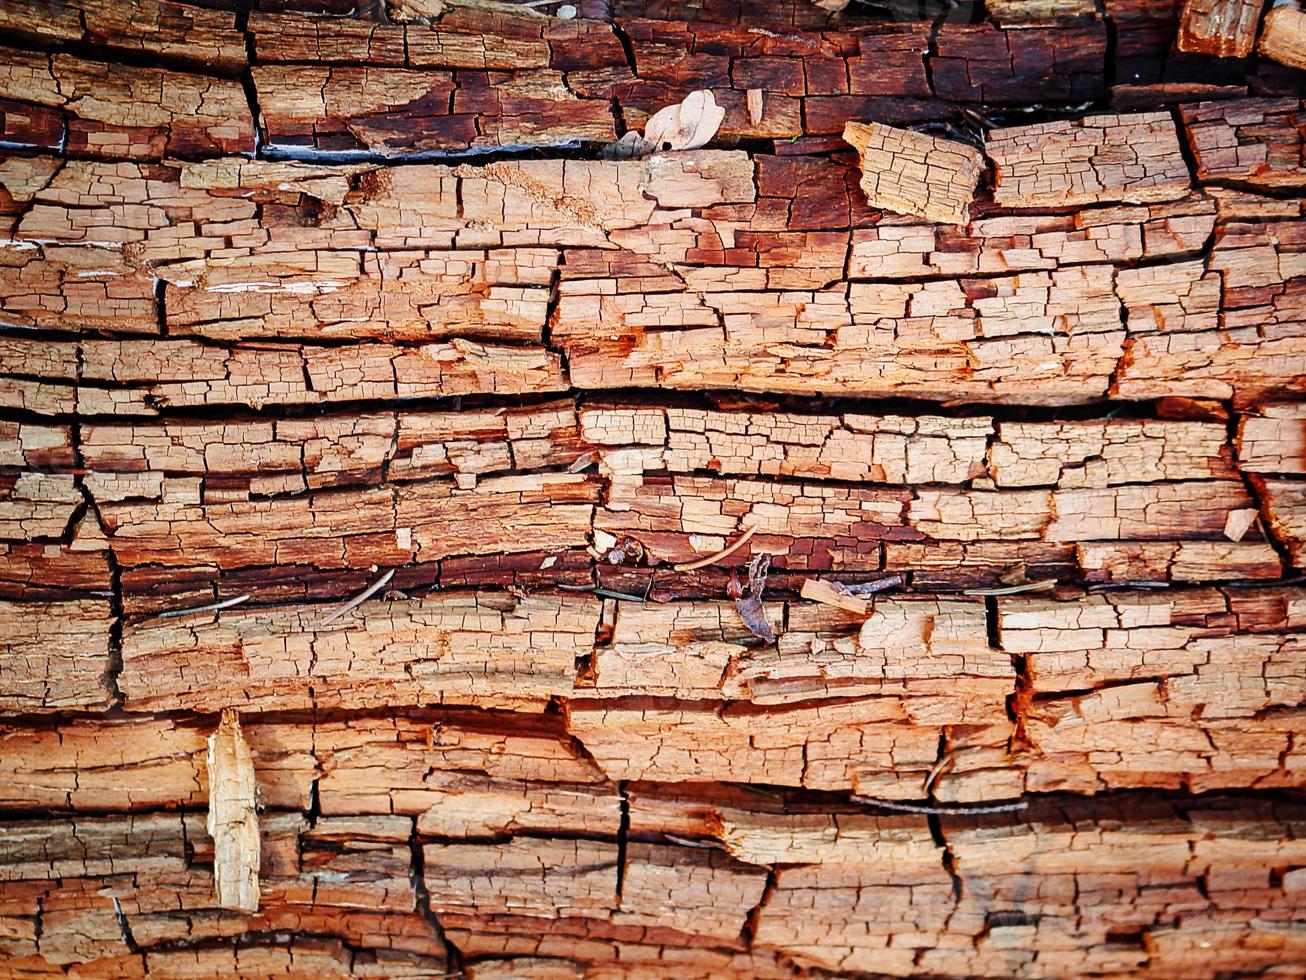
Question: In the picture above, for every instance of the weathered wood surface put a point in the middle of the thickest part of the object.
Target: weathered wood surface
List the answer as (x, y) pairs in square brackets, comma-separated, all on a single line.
[(300, 309)]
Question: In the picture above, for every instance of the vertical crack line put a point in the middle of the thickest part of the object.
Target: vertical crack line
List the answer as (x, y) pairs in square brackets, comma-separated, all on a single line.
[(623, 835), (124, 926), (422, 897), (90, 510), (748, 934), (1022, 692), (247, 81)]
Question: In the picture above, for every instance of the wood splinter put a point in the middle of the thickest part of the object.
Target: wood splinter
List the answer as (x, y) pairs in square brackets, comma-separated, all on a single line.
[(913, 173), (233, 817)]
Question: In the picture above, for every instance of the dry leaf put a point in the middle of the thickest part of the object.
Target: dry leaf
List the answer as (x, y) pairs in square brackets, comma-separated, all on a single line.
[(684, 126), (233, 818), (630, 145), (750, 606)]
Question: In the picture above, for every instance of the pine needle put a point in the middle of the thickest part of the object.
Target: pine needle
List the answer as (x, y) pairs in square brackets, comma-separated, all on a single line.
[(211, 607), (362, 597)]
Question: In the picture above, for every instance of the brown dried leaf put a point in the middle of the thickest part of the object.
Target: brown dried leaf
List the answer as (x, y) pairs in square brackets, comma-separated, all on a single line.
[(750, 606), (233, 817), (686, 126)]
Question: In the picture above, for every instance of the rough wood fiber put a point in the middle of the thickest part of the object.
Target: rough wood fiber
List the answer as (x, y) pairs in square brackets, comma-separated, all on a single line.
[(397, 453)]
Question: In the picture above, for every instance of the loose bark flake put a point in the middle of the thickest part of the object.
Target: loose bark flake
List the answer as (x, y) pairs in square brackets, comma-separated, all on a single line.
[(913, 173), (233, 821)]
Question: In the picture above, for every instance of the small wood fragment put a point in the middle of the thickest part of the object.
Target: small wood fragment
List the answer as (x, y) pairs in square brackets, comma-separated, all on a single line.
[(913, 173), (755, 105), (1283, 39), (233, 818), (1239, 522), (1223, 28), (819, 590)]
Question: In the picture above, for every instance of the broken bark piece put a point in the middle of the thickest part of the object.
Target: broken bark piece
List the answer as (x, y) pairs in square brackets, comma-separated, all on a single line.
[(1129, 158), (749, 606), (1283, 38), (233, 819), (1224, 650), (1251, 141), (1223, 28), (1285, 512), (1061, 62), (913, 173)]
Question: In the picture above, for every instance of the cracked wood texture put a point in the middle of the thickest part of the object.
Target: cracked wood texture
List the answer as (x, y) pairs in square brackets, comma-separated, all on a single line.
[(348, 390)]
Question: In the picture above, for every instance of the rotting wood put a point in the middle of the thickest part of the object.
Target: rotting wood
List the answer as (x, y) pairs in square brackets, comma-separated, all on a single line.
[(1283, 37), (261, 338)]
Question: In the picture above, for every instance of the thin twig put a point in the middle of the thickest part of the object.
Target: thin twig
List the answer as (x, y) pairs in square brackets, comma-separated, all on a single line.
[(941, 810), (211, 607), (1040, 586), (362, 597), (575, 588), (723, 553), (1128, 584), (609, 594)]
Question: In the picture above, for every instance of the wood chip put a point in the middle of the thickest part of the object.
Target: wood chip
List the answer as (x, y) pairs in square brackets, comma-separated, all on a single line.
[(1239, 522), (819, 590), (755, 105), (233, 817)]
